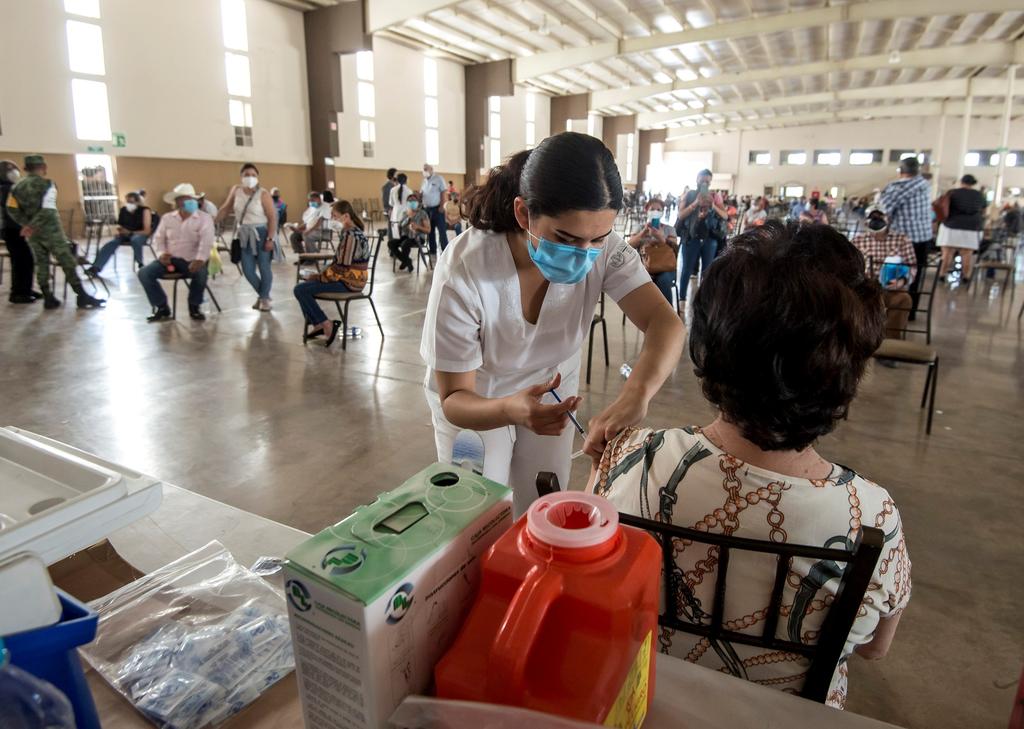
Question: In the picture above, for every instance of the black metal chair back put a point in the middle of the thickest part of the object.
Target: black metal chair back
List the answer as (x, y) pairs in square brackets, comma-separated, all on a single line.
[(925, 301), (372, 272), (859, 558)]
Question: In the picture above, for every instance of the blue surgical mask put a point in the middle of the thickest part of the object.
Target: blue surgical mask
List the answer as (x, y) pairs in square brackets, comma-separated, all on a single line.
[(560, 263), (413, 204), (190, 206), (314, 204)]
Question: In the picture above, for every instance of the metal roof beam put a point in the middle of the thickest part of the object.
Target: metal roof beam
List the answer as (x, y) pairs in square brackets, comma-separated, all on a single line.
[(973, 55), (876, 112), (855, 12), (383, 14), (949, 89)]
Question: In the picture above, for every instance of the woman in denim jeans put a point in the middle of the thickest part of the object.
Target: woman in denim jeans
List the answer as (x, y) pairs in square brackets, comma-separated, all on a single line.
[(348, 272), (256, 228)]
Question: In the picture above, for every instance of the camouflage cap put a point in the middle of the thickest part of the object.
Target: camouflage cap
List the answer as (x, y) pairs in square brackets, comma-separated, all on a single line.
[(34, 159)]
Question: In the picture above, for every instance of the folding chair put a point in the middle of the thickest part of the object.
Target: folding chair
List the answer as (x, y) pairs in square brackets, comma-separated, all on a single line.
[(598, 319), (859, 558), (925, 301), (347, 297), (1006, 262), (900, 350), (176, 278)]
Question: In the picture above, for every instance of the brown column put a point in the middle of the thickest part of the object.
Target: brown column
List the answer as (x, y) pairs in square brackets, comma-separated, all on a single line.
[(613, 126), (564, 108), (482, 80), (646, 138), (330, 31)]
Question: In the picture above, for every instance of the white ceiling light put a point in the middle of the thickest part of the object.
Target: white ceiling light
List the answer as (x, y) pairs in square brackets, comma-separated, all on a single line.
[(895, 58), (686, 74), (662, 78), (667, 24)]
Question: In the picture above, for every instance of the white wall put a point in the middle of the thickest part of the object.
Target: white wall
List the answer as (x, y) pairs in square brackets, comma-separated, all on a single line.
[(400, 127), (731, 152), (513, 120), (165, 78)]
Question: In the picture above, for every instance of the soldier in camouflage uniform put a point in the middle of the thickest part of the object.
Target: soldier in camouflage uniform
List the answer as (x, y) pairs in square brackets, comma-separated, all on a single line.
[(32, 204)]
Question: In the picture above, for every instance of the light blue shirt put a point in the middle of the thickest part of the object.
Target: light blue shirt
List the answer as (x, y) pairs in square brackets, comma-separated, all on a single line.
[(431, 190)]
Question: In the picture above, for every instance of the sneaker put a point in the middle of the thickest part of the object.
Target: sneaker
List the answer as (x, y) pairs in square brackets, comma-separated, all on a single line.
[(159, 314), (196, 313), (51, 302), (256, 306), (21, 299), (264, 304), (89, 302)]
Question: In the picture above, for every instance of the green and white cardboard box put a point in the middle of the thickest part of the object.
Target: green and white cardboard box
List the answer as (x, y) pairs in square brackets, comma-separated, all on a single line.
[(375, 600)]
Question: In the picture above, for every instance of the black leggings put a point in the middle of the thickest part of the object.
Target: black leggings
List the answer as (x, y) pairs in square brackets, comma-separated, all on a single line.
[(22, 262)]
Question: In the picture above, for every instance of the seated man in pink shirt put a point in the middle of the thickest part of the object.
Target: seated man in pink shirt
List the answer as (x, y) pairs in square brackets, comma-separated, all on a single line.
[(182, 243)]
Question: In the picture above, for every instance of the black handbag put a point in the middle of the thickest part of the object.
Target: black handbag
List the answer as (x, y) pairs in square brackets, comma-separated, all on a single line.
[(236, 250)]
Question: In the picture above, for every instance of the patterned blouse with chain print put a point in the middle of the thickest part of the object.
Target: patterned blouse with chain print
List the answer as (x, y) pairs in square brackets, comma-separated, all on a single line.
[(681, 477)]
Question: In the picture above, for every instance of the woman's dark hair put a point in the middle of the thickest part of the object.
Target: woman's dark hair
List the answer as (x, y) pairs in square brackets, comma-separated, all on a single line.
[(815, 203), (391, 172), (328, 197), (969, 180), (569, 171), (342, 207), (132, 196), (783, 327), (249, 166)]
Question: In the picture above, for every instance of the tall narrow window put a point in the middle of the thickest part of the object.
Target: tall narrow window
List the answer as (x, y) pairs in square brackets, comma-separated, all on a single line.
[(366, 101), (85, 48), (234, 30), (92, 115), (86, 8), (85, 56), (233, 25), (531, 120), (430, 112), (494, 129)]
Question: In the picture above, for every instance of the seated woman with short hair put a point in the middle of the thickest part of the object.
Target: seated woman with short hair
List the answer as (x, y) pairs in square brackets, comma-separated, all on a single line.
[(783, 327)]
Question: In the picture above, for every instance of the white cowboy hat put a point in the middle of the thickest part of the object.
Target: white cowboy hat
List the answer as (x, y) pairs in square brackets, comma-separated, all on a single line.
[(182, 190)]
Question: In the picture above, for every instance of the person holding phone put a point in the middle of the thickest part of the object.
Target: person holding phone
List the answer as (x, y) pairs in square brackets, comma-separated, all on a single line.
[(511, 304), (700, 218), (658, 246)]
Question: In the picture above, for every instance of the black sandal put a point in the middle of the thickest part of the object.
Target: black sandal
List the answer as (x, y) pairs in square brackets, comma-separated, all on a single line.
[(334, 334), (312, 335)]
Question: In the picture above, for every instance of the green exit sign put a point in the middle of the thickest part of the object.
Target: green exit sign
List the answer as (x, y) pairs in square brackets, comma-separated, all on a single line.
[(119, 139)]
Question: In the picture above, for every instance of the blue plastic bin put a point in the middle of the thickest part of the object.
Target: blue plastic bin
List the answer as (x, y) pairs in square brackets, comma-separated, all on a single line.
[(50, 653)]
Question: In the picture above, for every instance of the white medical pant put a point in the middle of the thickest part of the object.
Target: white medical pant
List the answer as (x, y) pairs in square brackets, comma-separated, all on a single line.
[(514, 455)]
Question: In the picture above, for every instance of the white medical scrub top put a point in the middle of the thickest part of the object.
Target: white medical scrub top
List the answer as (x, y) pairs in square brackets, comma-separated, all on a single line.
[(475, 318)]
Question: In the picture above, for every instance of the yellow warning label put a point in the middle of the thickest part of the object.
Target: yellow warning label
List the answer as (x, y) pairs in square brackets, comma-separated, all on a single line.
[(630, 708)]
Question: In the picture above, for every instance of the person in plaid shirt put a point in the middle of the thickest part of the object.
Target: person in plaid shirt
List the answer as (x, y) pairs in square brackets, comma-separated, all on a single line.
[(907, 202), (879, 245)]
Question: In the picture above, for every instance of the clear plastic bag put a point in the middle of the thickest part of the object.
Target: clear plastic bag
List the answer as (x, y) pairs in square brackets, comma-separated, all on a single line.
[(194, 642)]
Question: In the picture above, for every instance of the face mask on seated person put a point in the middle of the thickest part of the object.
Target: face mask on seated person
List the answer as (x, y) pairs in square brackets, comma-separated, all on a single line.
[(414, 204), (131, 207), (314, 204), (561, 263), (250, 181), (190, 206)]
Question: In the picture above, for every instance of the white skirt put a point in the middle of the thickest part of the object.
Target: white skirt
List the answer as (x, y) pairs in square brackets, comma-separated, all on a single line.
[(966, 240)]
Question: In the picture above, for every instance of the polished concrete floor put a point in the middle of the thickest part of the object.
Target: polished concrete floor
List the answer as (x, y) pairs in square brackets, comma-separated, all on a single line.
[(236, 408)]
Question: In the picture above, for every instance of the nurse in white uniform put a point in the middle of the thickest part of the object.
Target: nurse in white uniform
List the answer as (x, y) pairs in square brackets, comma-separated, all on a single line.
[(511, 303)]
